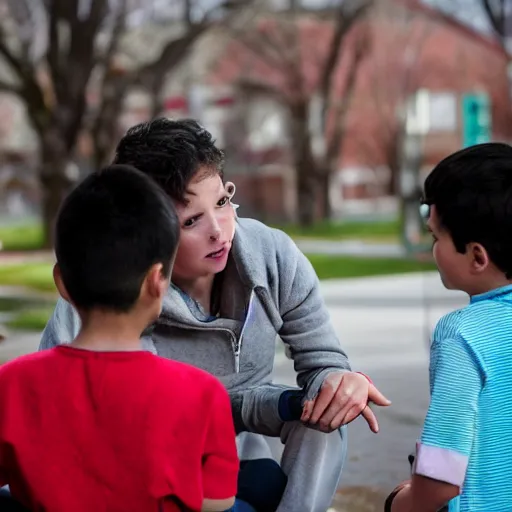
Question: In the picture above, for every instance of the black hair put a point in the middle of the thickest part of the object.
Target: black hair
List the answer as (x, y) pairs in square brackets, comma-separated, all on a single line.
[(110, 230), (472, 192), (172, 152)]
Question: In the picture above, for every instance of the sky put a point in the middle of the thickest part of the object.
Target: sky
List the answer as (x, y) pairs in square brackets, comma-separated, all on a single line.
[(470, 12)]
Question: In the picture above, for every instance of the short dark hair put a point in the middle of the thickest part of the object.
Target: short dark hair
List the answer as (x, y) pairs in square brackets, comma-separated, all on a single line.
[(110, 230), (172, 152), (472, 192)]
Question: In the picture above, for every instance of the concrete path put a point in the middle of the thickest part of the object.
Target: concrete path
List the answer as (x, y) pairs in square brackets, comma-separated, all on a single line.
[(351, 248)]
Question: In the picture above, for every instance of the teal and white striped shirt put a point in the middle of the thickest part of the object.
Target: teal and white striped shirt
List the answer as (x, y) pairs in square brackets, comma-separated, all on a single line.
[(467, 436)]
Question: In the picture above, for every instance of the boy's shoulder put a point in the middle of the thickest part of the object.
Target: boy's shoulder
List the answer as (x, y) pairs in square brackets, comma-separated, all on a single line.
[(449, 326), (27, 360), (25, 365), (187, 375), (465, 322)]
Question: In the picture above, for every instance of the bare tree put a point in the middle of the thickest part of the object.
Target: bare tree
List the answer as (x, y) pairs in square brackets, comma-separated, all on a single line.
[(402, 35), (279, 46), (151, 76), (54, 50)]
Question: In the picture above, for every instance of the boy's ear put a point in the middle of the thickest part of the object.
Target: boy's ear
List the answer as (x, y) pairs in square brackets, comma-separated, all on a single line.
[(59, 283), (156, 283), (479, 258)]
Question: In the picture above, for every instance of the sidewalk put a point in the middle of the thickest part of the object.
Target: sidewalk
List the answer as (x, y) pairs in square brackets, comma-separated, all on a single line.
[(350, 248), (18, 344), (18, 257)]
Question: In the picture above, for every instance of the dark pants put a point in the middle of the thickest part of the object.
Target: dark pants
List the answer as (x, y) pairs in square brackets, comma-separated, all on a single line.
[(8, 504), (261, 485)]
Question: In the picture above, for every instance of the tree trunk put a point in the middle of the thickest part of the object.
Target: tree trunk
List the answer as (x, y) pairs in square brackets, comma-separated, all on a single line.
[(55, 183), (304, 163), (325, 194), (306, 195), (394, 158), (105, 129)]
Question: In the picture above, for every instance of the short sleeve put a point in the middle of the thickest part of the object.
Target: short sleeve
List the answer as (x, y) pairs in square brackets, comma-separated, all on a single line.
[(456, 381), (220, 459)]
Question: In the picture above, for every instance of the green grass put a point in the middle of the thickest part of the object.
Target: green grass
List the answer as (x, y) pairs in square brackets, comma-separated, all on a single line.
[(378, 231), (24, 237), (30, 319), (331, 267), (31, 275)]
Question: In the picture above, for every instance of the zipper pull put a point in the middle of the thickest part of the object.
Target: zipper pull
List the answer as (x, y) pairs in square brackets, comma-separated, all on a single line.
[(237, 358)]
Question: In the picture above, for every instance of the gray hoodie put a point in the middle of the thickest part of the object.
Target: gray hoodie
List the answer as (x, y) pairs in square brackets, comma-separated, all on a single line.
[(269, 290)]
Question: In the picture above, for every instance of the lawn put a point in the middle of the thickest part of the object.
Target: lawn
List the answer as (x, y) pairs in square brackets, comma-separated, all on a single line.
[(37, 276), (338, 267), (21, 237), (371, 231), (30, 319)]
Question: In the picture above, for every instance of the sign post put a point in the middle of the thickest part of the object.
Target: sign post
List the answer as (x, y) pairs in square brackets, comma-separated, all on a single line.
[(417, 125), (476, 119)]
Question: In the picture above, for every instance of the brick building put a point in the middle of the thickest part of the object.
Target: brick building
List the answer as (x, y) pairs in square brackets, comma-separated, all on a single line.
[(412, 47)]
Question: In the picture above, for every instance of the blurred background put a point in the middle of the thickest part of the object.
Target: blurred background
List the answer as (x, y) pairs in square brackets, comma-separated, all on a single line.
[(331, 114)]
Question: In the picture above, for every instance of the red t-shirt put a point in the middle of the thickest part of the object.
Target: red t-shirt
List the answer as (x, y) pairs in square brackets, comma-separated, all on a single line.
[(84, 431)]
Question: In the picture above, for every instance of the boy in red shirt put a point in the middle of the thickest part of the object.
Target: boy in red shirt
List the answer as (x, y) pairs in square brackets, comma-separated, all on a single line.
[(99, 424)]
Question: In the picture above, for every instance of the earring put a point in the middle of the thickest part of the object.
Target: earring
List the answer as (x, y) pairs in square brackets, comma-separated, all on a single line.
[(230, 188)]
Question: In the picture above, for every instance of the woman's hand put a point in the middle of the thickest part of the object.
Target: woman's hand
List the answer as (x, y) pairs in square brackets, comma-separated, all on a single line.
[(342, 398)]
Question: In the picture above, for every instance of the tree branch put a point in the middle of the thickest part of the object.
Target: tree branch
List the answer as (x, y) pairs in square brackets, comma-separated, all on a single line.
[(116, 84), (10, 89), (113, 89), (15, 63), (342, 108), (152, 76), (52, 52), (258, 43), (345, 21), (251, 87), (29, 88), (497, 19)]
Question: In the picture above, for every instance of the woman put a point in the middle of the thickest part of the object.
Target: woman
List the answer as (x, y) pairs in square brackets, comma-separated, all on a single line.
[(236, 286)]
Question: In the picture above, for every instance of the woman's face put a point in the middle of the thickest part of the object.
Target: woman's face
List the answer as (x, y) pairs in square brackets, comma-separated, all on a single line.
[(207, 228)]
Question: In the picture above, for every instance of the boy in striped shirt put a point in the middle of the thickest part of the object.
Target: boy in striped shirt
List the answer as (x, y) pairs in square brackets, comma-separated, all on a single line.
[(464, 457)]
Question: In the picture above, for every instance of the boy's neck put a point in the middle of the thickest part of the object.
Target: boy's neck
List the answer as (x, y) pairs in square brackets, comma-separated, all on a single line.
[(490, 285), (109, 332)]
